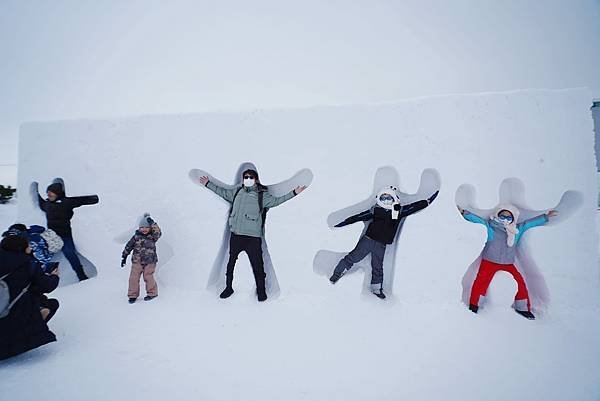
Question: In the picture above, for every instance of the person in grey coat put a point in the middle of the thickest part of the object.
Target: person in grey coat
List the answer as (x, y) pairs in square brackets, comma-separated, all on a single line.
[(249, 204)]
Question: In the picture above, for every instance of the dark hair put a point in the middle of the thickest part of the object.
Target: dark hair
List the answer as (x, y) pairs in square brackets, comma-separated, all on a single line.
[(14, 243), (254, 173), (508, 211), (18, 226)]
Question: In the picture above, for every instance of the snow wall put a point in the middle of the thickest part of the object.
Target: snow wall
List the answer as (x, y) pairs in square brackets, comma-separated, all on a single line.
[(543, 138)]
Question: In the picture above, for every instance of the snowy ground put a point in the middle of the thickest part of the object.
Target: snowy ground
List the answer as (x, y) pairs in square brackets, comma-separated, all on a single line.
[(191, 346)]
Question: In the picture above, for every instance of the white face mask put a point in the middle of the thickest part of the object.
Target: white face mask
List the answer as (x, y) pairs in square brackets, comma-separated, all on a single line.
[(249, 182)]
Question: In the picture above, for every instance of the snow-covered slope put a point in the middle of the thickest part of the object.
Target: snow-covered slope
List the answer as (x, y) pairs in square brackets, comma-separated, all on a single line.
[(317, 341)]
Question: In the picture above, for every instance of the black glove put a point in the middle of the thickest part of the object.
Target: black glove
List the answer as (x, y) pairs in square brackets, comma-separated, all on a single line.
[(150, 221), (432, 197), (397, 206), (123, 261)]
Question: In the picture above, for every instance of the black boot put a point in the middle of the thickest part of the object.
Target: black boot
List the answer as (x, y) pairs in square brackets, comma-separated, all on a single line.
[(379, 294), (261, 294), (132, 300), (473, 308), (227, 292), (149, 297), (526, 314), (80, 273), (335, 277)]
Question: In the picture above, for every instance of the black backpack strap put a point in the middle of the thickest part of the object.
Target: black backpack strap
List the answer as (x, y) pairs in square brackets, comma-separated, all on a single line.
[(263, 210), (233, 200)]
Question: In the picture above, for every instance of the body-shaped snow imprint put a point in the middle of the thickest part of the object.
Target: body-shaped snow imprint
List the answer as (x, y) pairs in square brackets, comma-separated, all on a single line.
[(67, 275), (216, 280), (512, 192), (325, 260)]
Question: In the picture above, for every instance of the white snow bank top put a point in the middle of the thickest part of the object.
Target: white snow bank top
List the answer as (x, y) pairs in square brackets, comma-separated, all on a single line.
[(543, 138)]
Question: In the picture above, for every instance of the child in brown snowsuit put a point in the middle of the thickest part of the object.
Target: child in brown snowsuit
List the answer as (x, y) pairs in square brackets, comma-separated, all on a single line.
[(144, 259)]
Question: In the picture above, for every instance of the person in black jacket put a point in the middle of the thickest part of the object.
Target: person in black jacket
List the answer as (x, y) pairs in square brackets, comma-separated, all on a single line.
[(24, 328), (59, 211), (385, 217)]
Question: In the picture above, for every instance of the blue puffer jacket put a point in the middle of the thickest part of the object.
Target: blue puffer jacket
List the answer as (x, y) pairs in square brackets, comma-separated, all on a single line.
[(496, 248)]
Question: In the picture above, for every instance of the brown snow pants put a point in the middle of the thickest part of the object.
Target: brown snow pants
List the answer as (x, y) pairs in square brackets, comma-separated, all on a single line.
[(134, 280)]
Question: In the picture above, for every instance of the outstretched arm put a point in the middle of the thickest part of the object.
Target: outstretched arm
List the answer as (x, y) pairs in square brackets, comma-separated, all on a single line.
[(227, 194), (78, 201), (270, 201), (472, 217), (363, 216), (534, 222), (35, 192)]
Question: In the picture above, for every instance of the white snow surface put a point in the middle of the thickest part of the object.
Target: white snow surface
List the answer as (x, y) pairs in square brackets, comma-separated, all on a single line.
[(316, 341)]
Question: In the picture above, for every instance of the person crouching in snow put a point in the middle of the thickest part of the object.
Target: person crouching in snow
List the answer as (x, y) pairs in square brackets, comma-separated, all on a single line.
[(144, 259), (386, 217), (503, 236)]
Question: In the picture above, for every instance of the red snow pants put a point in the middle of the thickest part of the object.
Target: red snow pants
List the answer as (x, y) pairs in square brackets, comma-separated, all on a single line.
[(484, 277)]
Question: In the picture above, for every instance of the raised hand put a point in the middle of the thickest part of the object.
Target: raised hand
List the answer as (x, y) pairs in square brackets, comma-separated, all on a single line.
[(203, 180), (461, 210), (299, 189)]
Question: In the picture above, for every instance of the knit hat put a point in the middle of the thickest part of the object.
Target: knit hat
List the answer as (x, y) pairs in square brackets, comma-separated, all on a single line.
[(144, 221), (56, 188), (14, 243)]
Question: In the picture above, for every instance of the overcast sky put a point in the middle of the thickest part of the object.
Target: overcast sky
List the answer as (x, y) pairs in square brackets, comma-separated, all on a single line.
[(75, 59)]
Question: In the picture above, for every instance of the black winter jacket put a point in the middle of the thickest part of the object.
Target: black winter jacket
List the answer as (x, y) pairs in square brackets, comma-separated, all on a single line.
[(60, 212), (382, 227), (24, 329)]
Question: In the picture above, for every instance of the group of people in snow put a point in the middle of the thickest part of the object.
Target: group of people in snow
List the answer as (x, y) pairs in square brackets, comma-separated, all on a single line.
[(28, 272)]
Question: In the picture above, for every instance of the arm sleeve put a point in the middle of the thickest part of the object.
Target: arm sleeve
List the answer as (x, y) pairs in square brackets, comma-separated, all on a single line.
[(156, 232), (78, 201), (273, 201), (473, 218), (533, 222), (43, 282), (129, 247), (224, 193), (413, 208), (363, 216)]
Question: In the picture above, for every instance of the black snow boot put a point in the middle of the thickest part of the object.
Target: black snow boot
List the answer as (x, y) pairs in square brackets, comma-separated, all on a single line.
[(379, 293), (132, 300), (526, 314), (80, 273), (261, 294), (335, 277), (473, 308), (149, 297), (227, 292)]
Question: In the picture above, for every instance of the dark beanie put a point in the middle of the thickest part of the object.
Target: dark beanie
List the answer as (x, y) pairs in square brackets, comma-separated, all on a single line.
[(14, 243), (55, 188)]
